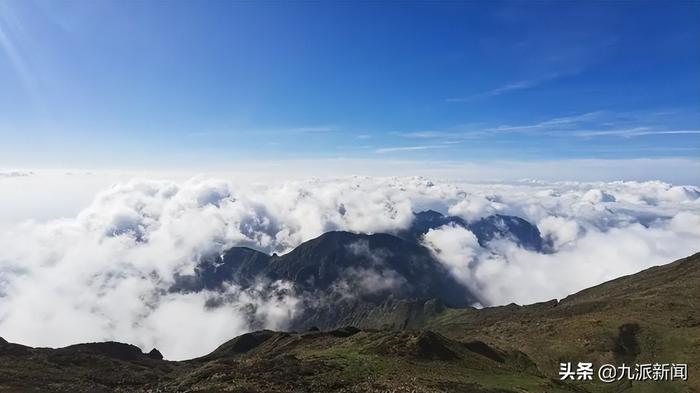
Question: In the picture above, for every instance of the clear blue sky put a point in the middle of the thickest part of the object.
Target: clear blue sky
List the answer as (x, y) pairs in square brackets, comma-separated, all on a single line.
[(100, 83)]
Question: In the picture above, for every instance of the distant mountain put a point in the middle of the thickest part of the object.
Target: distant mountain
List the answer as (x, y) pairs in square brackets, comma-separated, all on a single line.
[(514, 228), (342, 276), (486, 229), (648, 317), (429, 219), (342, 264)]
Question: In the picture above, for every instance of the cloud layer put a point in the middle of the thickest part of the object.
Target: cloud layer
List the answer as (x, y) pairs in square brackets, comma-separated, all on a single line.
[(105, 273)]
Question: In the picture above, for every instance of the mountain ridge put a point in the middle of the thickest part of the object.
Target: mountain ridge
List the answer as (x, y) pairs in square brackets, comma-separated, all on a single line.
[(348, 275), (357, 270)]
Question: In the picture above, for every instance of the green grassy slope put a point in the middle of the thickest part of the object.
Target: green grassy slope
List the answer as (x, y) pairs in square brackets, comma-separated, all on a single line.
[(652, 316)]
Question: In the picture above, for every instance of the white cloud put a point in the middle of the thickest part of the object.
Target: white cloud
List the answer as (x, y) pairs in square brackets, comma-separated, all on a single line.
[(597, 196), (598, 232), (512, 274), (517, 275), (457, 248), (473, 207), (558, 230), (102, 272)]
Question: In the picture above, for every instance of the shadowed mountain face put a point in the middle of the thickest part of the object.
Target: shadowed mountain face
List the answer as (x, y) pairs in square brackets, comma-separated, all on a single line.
[(370, 266), (514, 228), (648, 317), (341, 277)]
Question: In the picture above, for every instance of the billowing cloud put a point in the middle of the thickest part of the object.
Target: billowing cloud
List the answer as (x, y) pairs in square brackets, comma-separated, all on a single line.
[(105, 272), (559, 231), (456, 247), (507, 273)]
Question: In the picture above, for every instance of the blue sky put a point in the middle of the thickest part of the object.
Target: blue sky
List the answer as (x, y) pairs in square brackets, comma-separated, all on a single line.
[(108, 84)]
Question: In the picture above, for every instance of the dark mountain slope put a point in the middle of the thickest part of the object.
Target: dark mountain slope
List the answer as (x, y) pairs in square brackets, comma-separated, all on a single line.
[(369, 266), (341, 277), (239, 265)]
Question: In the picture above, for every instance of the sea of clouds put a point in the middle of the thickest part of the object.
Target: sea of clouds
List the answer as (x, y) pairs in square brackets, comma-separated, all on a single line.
[(104, 273)]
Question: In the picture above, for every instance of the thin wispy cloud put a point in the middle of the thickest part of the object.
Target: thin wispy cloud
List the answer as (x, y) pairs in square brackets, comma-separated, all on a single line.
[(553, 123), (585, 125), (470, 132), (524, 84), (385, 150), (425, 134), (601, 124), (267, 131), (629, 133), (519, 85), (456, 133)]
